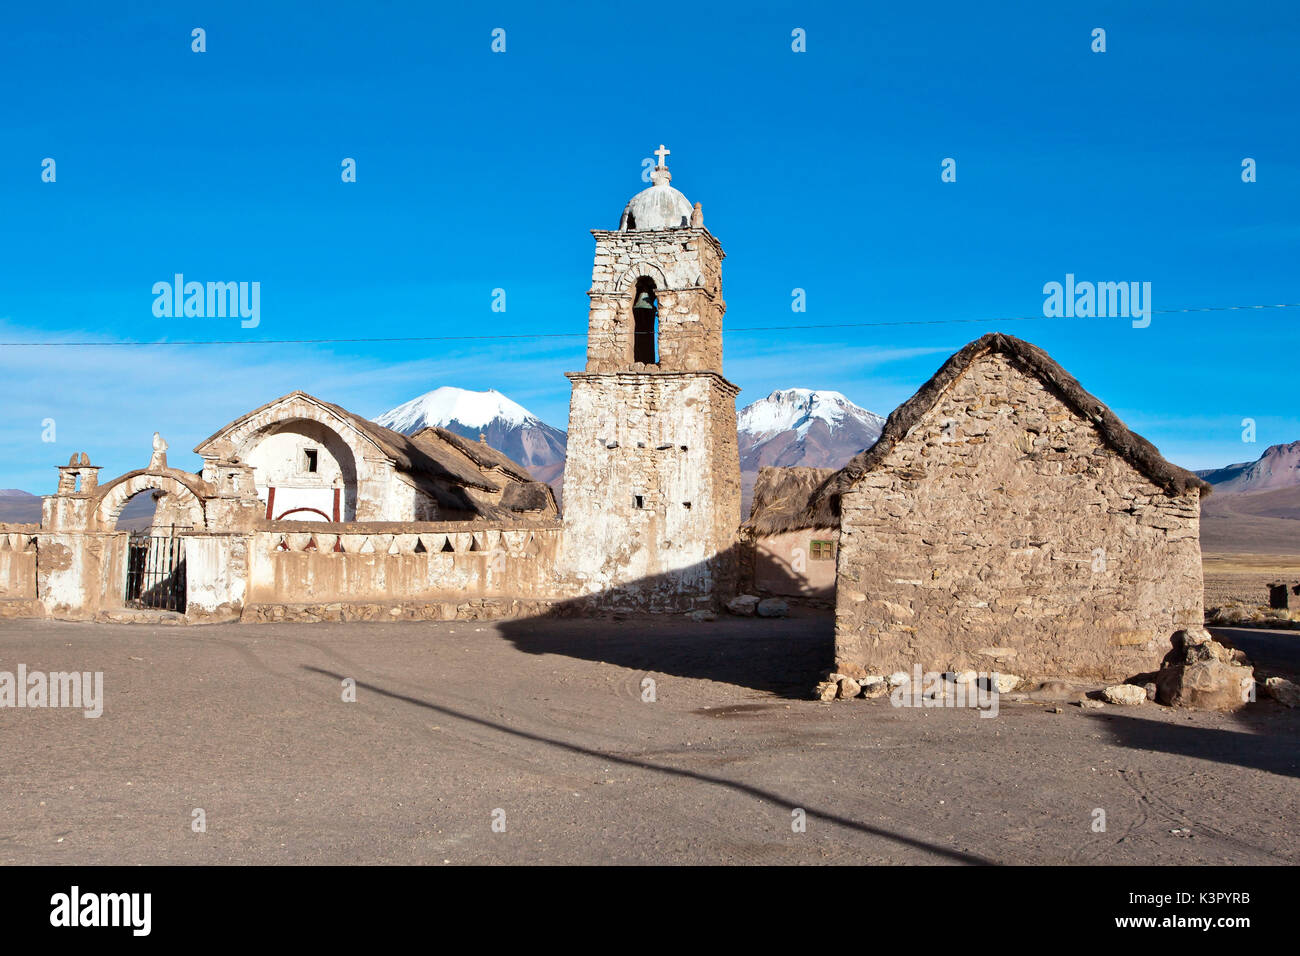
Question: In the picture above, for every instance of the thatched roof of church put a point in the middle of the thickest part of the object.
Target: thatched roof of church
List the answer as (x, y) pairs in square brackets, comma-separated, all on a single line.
[(824, 507), (782, 496), (479, 452), (521, 493), (412, 458), (528, 496)]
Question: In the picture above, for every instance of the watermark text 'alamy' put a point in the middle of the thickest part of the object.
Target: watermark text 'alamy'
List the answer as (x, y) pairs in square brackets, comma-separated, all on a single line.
[(1085, 300), (213, 300)]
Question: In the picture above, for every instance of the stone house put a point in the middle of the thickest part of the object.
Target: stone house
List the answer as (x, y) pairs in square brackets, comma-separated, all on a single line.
[(1007, 520), (786, 556)]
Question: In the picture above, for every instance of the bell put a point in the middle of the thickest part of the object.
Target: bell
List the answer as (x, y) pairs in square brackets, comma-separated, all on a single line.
[(643, 303)]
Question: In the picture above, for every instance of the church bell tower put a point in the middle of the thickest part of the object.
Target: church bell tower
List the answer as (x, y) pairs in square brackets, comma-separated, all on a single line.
[(652, 476)]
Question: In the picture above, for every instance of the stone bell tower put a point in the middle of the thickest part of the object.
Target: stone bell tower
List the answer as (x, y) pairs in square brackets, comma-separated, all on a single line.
[(652, 477)]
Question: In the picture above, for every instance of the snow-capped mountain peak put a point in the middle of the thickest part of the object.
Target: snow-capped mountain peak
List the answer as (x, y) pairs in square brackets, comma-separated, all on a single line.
[(449, 404), (797, 409), (507, 426), (801, 426)]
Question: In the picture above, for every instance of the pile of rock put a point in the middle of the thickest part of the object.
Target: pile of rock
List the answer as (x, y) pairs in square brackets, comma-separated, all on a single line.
[(839, 686), (746, 605), (1283, 691), (1199, 673), (749, 605), (852, 682), (1202, 674)]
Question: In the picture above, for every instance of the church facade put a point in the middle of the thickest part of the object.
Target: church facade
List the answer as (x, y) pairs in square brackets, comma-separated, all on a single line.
[(304, 510)]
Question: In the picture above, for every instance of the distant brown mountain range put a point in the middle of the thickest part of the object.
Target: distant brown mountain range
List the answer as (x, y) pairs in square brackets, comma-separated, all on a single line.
[(20, 507), (1255, 507), (1278, 467)]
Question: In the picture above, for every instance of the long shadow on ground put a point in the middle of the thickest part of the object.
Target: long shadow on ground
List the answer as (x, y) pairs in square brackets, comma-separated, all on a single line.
[(1265, 736), (605, 758), (783, 656)]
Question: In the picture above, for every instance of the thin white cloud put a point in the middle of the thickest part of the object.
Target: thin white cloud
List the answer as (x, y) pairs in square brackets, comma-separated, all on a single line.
[(108, 401)]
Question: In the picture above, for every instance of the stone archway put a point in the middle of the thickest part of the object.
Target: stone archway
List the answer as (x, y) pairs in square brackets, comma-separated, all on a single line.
[(644, 269), (185, 492)]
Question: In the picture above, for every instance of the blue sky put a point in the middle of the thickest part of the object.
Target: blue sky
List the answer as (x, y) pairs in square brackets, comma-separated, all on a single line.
[(479, 170)]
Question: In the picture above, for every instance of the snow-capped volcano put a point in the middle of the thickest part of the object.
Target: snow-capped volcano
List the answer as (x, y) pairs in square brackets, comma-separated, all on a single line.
[(802, 426), (792, 426), (449, 404), (507, 426)]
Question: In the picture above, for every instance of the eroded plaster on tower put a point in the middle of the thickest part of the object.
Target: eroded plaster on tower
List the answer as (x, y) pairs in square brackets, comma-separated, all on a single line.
[(652, 477)]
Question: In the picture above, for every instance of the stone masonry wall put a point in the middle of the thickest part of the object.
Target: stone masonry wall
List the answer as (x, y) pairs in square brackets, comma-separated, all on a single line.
[(17, 563), (685, 265), (1002, 534), (724, 476), (304, 567), (668, 440)]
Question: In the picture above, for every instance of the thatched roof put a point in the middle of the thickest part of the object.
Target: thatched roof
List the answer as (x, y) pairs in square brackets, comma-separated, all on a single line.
[(521, 492), (782, 497), (479, 452), (823, 510), (412, 458), (528, 496)]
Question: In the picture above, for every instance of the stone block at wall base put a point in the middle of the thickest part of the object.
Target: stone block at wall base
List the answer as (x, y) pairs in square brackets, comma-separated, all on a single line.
[(20, 608), (1203, 674), (482, 609), (222, 614), (128, 615)]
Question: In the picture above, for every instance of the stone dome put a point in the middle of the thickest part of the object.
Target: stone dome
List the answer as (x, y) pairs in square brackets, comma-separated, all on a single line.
[(659, 207)]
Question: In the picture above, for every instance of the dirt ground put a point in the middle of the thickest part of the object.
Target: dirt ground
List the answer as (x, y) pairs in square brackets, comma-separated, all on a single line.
[(545, 722), (1244, 578)]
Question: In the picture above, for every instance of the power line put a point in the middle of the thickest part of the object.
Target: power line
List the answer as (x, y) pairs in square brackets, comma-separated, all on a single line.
[(565, 335)]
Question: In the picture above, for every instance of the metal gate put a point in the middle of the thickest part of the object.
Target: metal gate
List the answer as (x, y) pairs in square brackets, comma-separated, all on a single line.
[(155, 569)]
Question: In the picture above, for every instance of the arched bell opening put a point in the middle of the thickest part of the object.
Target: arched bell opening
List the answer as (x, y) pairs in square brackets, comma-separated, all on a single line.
[(645, 322)]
